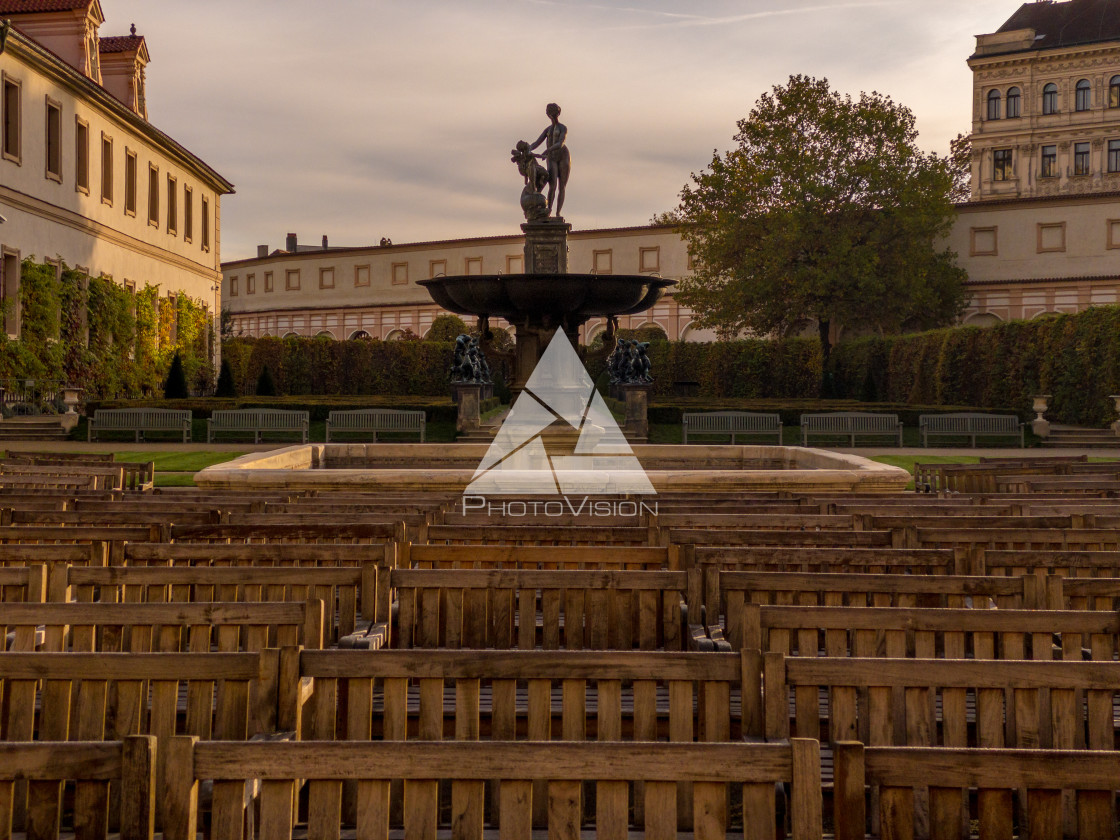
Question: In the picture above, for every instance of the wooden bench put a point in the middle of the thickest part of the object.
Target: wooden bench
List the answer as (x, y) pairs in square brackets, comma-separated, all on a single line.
[(230, 627), (139, 420), (534, 695), (599, 610), (897, 776), (111, 696), (258, 422), (340, 588), (540, 535), (723, 423), (951, 633), (565, 767), (851, 424), (971, 426), (139, 477), (27, 584), (370, 421), (323, 531), (538, 557), (45, 765), (1059, 705)]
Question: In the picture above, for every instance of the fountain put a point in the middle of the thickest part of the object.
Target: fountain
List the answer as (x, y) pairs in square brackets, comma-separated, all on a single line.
[(540, 304), (546, 297)]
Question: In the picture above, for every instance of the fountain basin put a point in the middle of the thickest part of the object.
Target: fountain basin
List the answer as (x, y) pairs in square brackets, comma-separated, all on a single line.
[(515, 296), (450, 468)]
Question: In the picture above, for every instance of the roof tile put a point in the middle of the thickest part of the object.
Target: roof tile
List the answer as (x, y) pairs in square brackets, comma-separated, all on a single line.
[(1069, 23), (31, 7), (120, 43)]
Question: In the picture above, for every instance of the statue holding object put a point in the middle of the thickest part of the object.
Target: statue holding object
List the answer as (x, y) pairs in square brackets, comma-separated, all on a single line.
[(559, 167)]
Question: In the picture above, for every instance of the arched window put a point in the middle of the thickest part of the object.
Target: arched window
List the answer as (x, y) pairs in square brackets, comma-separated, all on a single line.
[(993, 105), (1014, 106), (1114, 92), (1084, 95), (1050, 99)]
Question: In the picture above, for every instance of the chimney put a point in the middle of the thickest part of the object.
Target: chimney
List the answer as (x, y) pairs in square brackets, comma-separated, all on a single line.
[(291, 244), (324, 242), (262, 252)]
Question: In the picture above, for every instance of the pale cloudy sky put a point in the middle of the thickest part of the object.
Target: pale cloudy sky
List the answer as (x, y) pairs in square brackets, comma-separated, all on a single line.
[(367, 118)]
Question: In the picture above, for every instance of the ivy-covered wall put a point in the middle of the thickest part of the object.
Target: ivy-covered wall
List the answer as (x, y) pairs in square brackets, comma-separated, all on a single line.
[(100, 336)]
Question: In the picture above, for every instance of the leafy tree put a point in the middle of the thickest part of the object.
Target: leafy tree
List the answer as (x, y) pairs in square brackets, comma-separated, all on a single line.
[(175, 387), (960, 153), (446, 328), (825, 211), (226, 386), (266, 387)]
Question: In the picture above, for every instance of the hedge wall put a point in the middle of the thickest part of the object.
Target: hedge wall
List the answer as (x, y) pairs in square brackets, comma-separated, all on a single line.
[(109, 340), (751, 369), (324, 366), (1074, 358)]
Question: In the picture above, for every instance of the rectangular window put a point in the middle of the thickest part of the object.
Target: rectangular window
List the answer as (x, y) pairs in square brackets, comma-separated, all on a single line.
[(233, 286), (250, 284), (984, 242), (153, 195), (172, 205), (12, 114), (326, 278), (129, 182), (106, 170), (1049, 162), (1002, 165), (474, 265), (400, 274), (1114, 155), (54, 140), (206, 224), (188, 214), (437, 268), (9, 287), (602, 262), (361, 275), (81, 156), (649, 259), (268, 281), (1081, 159), (1051, 237), (515, 264), (291, 280)]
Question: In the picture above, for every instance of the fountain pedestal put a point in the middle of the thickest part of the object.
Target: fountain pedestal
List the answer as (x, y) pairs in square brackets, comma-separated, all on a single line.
[(469, 398), (546, 247), (636, 427)]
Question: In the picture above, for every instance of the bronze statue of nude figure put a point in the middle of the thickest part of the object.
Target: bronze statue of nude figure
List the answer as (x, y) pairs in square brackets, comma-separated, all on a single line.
[(556, 157)]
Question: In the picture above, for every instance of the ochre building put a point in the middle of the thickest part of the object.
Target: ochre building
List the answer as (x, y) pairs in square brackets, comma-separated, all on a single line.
[(1040, 235), (85, 179)]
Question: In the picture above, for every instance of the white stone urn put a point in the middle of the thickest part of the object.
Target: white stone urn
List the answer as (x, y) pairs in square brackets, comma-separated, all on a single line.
[(1040, 426), (71, 397)]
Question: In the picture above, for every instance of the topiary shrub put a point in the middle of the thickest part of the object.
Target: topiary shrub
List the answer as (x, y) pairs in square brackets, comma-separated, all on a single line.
[(175, 386), (226, 386), (265, 386), (446, 328)]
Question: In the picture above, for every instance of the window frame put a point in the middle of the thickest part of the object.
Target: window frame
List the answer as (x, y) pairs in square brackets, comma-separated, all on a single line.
[(995, 105), (107, 174), (55, 107), (643, 252), (188, 214), (1052, 172), (1114, 92), (1082, 152), (172, 204), (1083, 96), (1003, 165), (1015, 95), (1050, 104), (233, 290), (325, 272), (153, 195), (437, 268), (10, 83), (994, 231), (472, 263), (205, 224), (519, 259), (268, 281), (1114, 156), (358, 269), (393, 274), (131, 181), (1040, 227), (81, 156), (609, 254), (288, 275), (251, 284)]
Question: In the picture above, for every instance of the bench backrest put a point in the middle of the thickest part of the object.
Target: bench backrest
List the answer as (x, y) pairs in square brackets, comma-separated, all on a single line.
[(713, 770), (598, 610), (731, 421), (969, 423), (898, 699), (538, 557), (537, 535), (259, 418), (926, 633), (850, 422), (379, 419), (152, 418)]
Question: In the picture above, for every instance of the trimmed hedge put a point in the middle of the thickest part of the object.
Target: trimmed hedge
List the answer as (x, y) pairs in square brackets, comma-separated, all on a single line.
[(1074, 358), (437, 408), (304, 366)]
